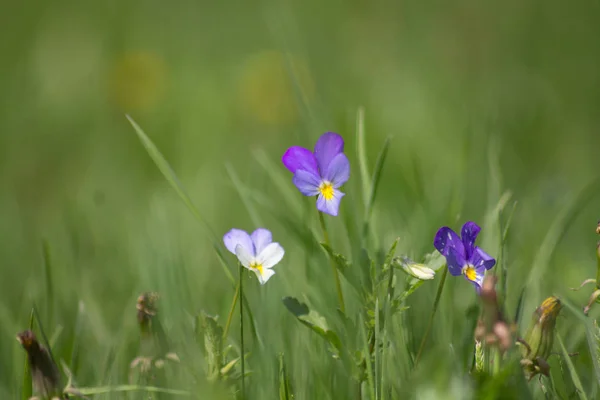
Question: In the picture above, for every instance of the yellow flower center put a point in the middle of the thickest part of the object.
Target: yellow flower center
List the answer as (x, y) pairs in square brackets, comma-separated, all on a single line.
[(326, 189), (470, 272), (257, 267)]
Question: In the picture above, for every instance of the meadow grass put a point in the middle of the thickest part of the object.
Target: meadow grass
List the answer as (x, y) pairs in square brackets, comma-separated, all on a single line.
[(393, 340), (484, 112)]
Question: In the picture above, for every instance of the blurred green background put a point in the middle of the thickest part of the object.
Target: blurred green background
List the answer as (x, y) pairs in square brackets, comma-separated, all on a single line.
[(479, 97)]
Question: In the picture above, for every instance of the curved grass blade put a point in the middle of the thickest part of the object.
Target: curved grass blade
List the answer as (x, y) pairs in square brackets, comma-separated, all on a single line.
[(171, 177), (589, 334), (361, 154), (281, 181), (572, 370), (559, 227), (244, 195), (374, 185)]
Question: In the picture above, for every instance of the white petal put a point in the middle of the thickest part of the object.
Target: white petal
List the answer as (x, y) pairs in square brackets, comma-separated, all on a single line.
[(244, 256), (264, 277), (270, 255), (422, 272)]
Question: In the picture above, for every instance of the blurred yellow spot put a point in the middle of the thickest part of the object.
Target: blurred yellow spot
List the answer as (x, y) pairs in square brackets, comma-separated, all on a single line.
[(326, 189), (470, 273), (138, 81), (273, 87)]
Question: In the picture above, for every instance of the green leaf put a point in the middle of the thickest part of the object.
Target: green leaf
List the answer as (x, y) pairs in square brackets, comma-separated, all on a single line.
[(374, 185), (341, 262), (435, 261), (213, 345), (572, 370), (390, 256), (312, 319)]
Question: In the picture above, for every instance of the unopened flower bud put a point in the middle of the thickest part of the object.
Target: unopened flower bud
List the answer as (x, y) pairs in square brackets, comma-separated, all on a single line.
[(416, 270), (540, 337), (146, 309), (492, 328), (44, 372)]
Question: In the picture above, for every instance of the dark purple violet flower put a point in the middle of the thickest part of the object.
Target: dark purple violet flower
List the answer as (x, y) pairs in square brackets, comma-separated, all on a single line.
[(322, 172), (462, 256)]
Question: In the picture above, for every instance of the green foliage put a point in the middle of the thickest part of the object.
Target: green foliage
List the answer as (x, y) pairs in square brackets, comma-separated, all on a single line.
[(492, 109)]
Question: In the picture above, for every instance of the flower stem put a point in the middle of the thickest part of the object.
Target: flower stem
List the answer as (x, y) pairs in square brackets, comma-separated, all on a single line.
[(433, 311), (241, 291), (231, 310), (598, 266), (336, 276)]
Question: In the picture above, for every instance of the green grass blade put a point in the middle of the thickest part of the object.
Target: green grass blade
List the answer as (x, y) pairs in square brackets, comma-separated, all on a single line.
[(172, 179), (281, 180), (572, 370), (361, 154), (43, 332), (27, 382), (76, 344), (167, 171), (374, 185), (370, 380), (176, 184), (129, 388), (377, 339), (49, 282), (285, 392), (559, 227), (589, 334), (244, 195)]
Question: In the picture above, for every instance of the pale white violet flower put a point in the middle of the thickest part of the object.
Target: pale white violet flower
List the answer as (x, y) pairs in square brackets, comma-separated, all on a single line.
[(256, 252)]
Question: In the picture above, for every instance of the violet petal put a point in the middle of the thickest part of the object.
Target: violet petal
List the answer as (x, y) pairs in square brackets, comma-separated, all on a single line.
[(328, 146)]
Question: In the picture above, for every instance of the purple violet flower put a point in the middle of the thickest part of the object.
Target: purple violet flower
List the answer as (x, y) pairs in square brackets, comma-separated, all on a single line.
[(256, 252), (322, 172), (462, 256)]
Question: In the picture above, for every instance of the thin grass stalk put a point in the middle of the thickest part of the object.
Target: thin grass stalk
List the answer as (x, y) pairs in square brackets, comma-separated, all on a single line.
[(241, 286), (236, 296), (336, 275), (433, 311)]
